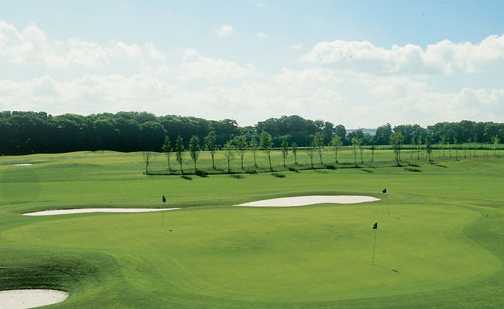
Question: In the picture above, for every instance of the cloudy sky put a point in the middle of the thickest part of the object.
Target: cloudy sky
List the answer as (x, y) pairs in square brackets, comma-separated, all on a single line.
[(360, 64)]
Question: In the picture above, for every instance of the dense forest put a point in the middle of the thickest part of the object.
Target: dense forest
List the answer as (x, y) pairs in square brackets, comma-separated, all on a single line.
[(38, 132)]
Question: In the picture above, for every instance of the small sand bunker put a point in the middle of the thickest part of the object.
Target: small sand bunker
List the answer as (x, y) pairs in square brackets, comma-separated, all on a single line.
[(312, 200), (21, 299), (58, 212), (22, 164)]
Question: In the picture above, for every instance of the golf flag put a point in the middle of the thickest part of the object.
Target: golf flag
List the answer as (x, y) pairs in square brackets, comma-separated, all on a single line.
[(375, 226)]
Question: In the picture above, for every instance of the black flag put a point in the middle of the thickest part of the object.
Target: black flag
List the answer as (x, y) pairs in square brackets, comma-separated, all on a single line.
[(375, 226)]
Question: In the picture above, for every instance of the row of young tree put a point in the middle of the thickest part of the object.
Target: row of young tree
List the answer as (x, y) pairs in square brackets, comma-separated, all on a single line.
[(240, 145), (38, 132)]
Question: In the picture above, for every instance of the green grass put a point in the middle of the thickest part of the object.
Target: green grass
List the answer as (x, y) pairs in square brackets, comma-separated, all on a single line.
[(440, 242)]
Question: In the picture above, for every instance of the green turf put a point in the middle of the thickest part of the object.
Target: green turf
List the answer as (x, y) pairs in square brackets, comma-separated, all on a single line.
[(440, 242)]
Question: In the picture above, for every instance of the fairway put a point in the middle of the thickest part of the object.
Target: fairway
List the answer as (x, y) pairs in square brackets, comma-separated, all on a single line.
[(439, 242)]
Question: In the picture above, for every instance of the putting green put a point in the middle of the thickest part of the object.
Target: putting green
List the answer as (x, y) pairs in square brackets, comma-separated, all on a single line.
[(439, 241)]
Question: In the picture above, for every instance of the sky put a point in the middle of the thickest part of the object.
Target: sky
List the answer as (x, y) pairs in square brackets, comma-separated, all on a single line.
[(357, 63)]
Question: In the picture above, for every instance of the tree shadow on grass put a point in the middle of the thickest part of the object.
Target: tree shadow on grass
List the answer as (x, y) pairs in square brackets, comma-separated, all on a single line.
[(278, 175), (186, 177), (412, 169), (200, 173), (237, 176)]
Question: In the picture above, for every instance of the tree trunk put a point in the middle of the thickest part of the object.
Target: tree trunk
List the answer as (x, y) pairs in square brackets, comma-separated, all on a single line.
[(212, 154), (269, 160)]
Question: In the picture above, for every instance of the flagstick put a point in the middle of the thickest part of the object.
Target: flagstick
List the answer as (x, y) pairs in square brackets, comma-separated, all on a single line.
[(374, 248)]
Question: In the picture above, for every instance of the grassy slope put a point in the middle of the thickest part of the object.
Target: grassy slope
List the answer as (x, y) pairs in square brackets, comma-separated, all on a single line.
[(441, 229)]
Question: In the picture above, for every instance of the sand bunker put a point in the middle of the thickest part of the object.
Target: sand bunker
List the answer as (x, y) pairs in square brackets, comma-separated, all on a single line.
[(312, 200), (21, 299), (22, 164), (58, 212)]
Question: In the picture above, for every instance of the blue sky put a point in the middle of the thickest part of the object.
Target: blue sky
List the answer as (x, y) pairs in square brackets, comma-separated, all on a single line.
[(383, 22), (256, 43)]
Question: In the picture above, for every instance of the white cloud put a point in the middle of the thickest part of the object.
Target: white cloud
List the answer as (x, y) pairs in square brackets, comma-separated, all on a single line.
[(58, 76), (262, 35), (225, 31), (195, 66), (30, 51), (442, 57)]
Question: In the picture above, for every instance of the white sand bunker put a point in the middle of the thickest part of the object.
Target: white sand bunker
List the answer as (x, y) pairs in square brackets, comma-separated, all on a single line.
[(21, 299), (312, 200), (23, 164), (58, 212)]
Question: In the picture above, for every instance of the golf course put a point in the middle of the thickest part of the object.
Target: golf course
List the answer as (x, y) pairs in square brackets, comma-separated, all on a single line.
[(439, 241)]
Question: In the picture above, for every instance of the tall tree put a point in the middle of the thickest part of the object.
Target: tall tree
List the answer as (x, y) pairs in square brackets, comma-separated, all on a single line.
[(341, 132), (361, 152), (147, 160), (194, 149), (179, 152), (229, 149), (396, 140), (266, 145), (241, 145), (253, 147), (211, 145), (318, 143), (382, 135), (373, 147), (153, 135), (167, 149), (327, 132), (310, 152), (418, 141), (355, 146), (285, 150), (496, 141), (336, 143), (294, 149), (428, 148)]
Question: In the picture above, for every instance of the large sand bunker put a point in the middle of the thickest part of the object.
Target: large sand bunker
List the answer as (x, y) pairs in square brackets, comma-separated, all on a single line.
[(31, 298), (311, 200), (58, 212)]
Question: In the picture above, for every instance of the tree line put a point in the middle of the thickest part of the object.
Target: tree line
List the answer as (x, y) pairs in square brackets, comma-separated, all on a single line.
[(39, 132), (237, 147)]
